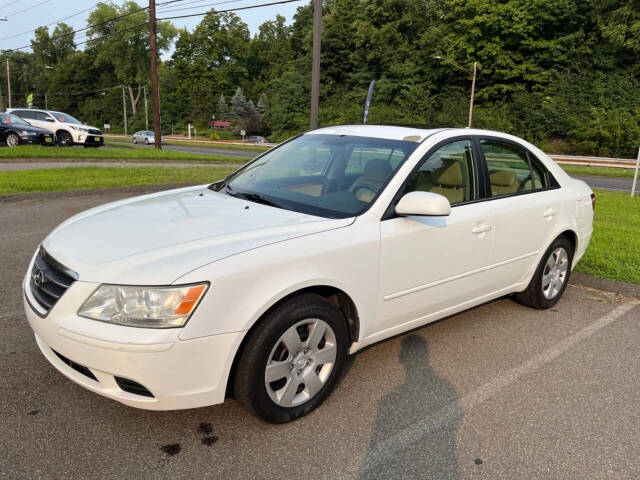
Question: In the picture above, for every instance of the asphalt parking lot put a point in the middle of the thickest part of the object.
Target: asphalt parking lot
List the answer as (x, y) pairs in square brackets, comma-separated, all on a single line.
[(500, 391)]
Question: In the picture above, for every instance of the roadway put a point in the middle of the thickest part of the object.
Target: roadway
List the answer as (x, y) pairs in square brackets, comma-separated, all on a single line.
[(190, 148), (498, 392)]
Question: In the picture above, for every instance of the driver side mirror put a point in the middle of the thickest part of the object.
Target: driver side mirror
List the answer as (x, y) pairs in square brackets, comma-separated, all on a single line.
[(423, 204)]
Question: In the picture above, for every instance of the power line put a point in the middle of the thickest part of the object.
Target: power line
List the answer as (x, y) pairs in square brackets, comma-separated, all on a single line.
[(27, 9), (10, 3), (49, 24), (198, 6), (93, 25), (230, 10)]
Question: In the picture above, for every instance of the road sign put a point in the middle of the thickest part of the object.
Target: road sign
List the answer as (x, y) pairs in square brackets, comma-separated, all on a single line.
[(107, 126), (635, 175)]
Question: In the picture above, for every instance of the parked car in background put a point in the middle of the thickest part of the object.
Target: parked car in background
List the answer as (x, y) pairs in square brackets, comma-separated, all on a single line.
[(256, 139), (15, 131), (262, 284), (146, 137), (68, 130)]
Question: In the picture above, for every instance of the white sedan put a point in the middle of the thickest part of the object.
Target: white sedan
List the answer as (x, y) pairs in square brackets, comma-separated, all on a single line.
[(260, 285)]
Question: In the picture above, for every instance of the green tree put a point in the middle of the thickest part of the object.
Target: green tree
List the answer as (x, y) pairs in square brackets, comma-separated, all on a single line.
[(123, 43)]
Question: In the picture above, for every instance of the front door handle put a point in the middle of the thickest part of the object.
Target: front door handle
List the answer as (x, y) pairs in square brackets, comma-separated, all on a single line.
[(481, 229), (550, 213)]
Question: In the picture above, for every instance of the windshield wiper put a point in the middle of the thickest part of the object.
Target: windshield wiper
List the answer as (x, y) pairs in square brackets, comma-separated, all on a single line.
[(257, 198)]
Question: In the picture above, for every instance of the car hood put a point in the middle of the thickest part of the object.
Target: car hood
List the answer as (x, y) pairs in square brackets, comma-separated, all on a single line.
[(157, 238)]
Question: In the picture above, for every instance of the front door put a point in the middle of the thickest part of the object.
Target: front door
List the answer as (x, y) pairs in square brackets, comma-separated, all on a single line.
[(434, 265)]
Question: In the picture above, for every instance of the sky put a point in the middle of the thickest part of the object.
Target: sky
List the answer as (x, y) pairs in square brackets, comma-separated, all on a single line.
[(26, 15)]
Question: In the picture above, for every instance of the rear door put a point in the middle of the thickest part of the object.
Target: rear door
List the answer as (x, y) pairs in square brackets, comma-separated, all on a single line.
[(525, 203)]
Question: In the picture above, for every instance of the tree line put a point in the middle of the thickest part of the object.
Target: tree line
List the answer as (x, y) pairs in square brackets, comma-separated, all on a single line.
[(565, 74)]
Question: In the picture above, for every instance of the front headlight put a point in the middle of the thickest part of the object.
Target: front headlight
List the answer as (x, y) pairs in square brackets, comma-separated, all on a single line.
[(25, 133), (80, 129), (150, 307)]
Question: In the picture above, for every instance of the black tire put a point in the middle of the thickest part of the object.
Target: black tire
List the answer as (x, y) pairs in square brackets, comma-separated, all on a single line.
[(65, 139), (12, 139), (534, 296), (249, 386)]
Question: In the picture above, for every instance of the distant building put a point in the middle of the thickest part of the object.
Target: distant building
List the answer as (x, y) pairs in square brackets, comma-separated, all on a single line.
[(220, 124)]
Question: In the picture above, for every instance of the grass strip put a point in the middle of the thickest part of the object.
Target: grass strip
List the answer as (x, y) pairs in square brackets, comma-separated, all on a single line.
[(60, 153), (88, 178), (614, 251)]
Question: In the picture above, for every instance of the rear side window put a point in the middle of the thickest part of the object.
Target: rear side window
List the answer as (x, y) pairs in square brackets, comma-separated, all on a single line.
[(24, 114), (449, 171), (509, 169)]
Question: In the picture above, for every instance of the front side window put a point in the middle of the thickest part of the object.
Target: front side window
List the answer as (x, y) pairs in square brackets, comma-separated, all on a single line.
[(508, 166), (335, 176), (25, 114), (449, 171)]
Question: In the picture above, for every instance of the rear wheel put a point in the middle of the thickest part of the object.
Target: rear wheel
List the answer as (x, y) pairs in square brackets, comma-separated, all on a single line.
[(12, 140), (65, 139), (551, 277), (292, 360)]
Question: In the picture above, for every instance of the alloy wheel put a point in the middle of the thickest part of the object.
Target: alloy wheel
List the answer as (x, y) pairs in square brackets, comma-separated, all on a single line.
[(555, 273), (13, 140), (300, 362)]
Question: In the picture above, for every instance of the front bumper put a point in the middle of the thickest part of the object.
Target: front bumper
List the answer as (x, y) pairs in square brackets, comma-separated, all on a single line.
[(39, 139), (178, 373)]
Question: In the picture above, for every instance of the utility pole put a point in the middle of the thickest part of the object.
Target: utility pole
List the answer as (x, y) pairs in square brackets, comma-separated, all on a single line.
[(46, 103), (124, 111), (8, 83), (315, 69), (146, 112), (473, 92), (155, 94)]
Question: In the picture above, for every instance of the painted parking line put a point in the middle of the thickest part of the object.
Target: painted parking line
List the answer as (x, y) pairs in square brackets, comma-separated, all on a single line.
[(398, 442)]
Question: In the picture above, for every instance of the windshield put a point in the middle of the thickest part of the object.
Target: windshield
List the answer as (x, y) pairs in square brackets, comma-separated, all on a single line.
[(9, 119), (63, 117), (336, 176)]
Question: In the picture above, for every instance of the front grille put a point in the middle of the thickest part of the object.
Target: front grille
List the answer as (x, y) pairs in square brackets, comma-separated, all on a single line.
[(132, 387), (94, 132), (49, 280), (76, 366)]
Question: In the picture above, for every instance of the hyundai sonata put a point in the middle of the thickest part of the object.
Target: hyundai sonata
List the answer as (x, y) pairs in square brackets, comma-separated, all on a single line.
[(259, 286)]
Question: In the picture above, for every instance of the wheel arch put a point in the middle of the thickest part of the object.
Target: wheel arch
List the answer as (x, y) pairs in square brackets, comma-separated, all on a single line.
[(572, 236), (333, 295)]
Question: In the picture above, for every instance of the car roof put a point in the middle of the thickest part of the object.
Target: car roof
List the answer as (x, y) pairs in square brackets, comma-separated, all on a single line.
[(377, 131)]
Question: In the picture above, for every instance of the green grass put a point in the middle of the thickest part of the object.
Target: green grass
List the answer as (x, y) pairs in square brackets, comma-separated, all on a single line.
[(121, 142), (139, 154), (614, 251), (83, 178), (598, 171)]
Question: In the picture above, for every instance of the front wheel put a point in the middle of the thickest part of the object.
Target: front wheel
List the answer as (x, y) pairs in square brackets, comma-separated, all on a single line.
[(292, 360), (65, 139), (551, 277), (12, 140)]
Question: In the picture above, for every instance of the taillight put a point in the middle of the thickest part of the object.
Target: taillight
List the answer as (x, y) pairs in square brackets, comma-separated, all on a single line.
[(593, 201)]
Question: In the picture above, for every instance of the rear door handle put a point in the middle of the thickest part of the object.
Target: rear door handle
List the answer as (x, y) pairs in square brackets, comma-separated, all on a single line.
[(481, 229), (549, 213)]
